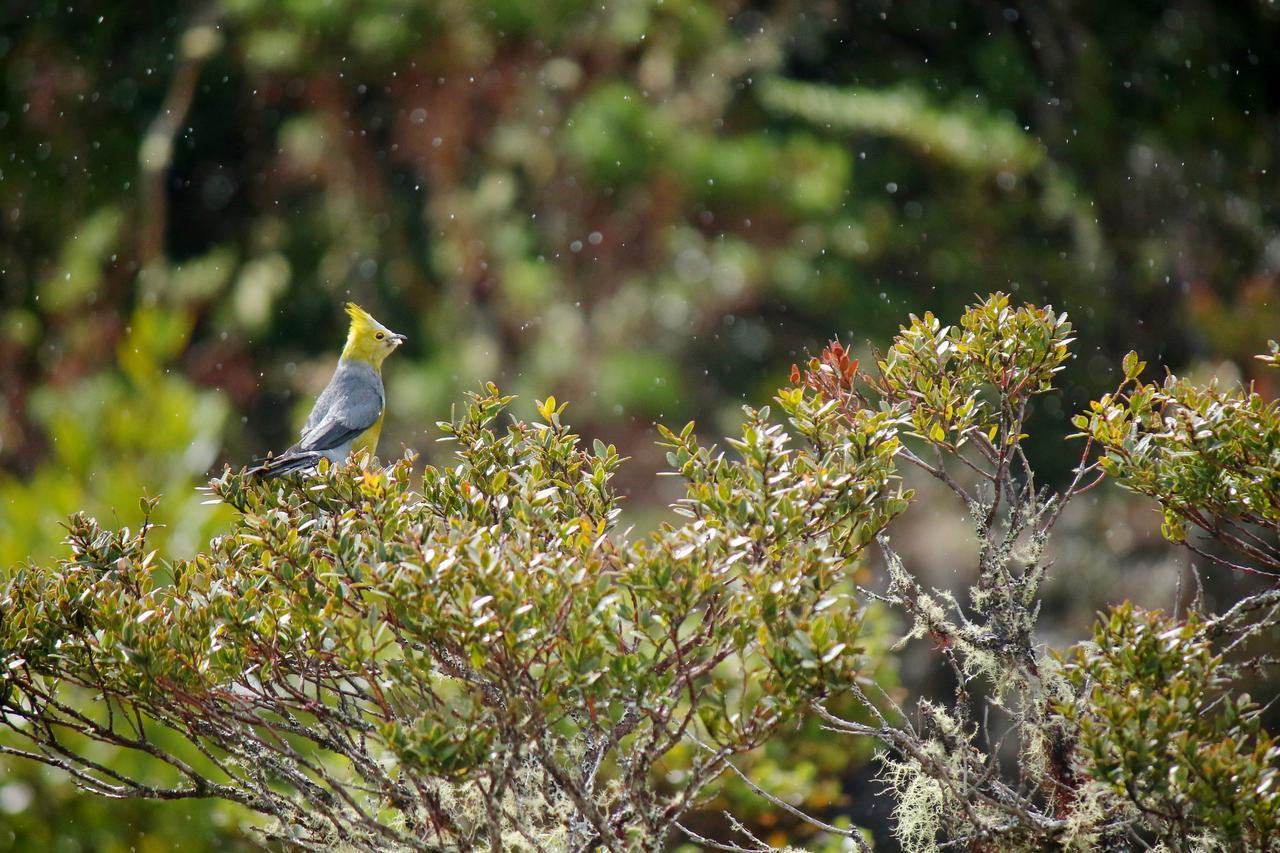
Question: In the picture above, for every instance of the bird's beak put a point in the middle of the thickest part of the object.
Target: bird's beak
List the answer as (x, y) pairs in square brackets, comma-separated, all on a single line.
[(399, 339)]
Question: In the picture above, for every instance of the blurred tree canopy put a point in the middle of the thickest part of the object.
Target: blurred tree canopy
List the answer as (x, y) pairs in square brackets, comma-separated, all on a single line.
[(651, 208), (647, 206)]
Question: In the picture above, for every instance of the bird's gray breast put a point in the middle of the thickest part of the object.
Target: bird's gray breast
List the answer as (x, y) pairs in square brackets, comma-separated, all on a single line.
[(348, 396)]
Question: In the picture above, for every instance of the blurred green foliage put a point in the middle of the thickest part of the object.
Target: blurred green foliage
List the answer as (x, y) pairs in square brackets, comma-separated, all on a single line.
[(116, 435), (651, 208), (41, 810)]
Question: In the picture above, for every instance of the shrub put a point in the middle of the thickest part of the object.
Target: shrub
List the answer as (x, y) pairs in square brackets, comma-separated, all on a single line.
[(478, 661), (481, 658)]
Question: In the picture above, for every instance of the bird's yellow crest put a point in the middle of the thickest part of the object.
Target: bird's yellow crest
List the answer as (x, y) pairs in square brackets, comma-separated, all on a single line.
[(360, 317), (368, 340)]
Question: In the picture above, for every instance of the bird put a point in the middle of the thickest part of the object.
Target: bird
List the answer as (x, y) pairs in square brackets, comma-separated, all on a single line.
[(348, 413)]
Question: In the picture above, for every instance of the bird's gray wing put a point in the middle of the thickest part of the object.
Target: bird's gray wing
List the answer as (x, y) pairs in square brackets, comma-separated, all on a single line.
[(349, 406)]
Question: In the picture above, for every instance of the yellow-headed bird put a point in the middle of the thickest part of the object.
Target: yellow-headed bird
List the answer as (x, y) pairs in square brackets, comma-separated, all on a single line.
[(348, 414)]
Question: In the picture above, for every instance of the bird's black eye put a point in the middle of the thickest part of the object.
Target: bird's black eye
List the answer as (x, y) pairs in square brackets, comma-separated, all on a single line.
[(380, 336)]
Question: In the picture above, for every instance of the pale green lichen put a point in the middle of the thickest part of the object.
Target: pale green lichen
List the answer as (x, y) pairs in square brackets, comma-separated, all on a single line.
[(1094, 804), (921, 801), (924, 801)]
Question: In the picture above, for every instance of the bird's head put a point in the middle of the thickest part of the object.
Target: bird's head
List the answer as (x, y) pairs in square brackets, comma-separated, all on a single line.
[(368, 340)]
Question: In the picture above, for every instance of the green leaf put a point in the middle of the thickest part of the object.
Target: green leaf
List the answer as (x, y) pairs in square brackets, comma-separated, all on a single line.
[(1132, 367)]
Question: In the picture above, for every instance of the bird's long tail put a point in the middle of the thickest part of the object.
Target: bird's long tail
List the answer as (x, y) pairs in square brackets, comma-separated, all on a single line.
[(285, 463)]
